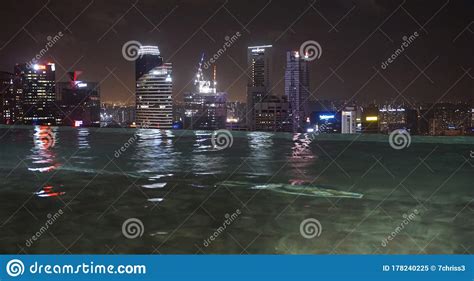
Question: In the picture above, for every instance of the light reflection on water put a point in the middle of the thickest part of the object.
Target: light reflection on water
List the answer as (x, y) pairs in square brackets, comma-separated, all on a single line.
[(168, 177), (83, 138), (43, 157)]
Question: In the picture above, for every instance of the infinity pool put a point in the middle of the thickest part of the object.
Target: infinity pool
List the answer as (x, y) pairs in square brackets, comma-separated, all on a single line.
[(67, 190)]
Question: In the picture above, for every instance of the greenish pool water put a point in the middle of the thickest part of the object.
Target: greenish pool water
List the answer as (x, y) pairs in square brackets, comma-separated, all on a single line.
[(183, 191)]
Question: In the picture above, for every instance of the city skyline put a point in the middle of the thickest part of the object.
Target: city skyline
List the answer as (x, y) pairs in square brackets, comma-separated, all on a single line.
[(354, 42)]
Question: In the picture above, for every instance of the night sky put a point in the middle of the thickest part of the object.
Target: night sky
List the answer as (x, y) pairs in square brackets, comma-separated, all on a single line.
[(355, 36)]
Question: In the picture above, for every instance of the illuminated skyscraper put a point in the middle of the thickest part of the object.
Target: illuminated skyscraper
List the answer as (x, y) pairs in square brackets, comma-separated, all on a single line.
[(297, 88), (154, 90), (79, 102), (7, 102), (34, 85), (205, 108), (258, 87)]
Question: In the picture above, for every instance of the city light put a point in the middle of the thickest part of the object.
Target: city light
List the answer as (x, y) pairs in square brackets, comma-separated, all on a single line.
[(326, 117), (39, 67), (371, 118)]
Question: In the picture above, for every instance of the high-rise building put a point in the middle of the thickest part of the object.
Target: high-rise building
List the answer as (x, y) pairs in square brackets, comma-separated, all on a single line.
[(258, 87), (205, 108), (34, 85), (272, 114), (348, 120), (154, 90), (79, 102), (297, 88), (7, 102)]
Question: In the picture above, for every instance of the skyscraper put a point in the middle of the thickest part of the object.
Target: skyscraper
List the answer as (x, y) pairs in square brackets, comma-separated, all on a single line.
[(154, 90), (258, 87), (7, 104), (205, 108), (297, 88), (79, 102), (34, 85)]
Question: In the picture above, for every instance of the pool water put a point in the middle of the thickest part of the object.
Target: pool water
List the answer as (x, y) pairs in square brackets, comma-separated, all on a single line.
[(66, 190)]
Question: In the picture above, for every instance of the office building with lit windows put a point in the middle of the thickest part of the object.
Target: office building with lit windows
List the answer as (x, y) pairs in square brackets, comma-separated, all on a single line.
[(154, 90), (297, 88), (258, 87), (272, 114), (7, 100), (79, 102), (35, 85)]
